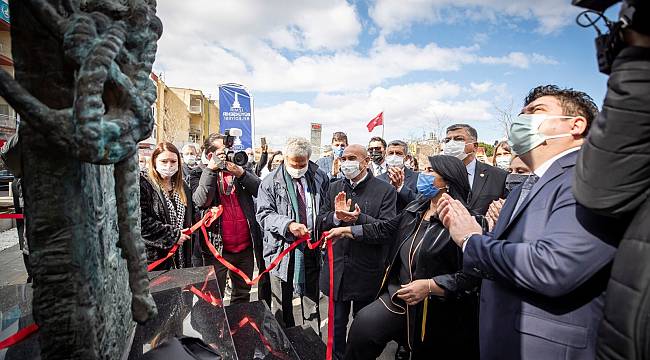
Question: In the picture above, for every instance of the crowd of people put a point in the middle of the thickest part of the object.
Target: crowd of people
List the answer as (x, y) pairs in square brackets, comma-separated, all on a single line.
[(455, 257)]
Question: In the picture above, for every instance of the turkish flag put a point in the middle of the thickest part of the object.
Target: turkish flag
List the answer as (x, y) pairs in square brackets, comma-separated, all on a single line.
[(376, 121)]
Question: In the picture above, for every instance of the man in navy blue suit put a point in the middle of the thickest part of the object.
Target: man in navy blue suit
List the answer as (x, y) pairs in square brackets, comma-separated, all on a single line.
[(545, 265)]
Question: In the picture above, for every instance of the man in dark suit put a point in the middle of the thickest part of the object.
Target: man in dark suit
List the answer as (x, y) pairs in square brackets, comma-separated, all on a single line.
[(358, 267), (488, 183), (403, 179), (546, 264)]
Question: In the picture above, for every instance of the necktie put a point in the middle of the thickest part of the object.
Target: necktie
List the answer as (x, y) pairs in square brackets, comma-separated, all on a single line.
[(525, 189), (302, 203)]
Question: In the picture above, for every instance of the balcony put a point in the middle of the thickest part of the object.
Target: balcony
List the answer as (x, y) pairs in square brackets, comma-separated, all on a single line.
[(7, 121), (196, 105)]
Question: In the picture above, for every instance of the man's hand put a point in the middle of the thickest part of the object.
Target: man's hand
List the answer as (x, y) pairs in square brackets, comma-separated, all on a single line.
[(298, 230), (336, 164), (414, 292), (338, 233), (457, 219), (396, 176), (216, 161), (235, 169), (493, 212), (342, 207)]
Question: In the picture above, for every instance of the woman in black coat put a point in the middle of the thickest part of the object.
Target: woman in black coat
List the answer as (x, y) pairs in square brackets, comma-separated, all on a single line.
[(166, 209), (425, 302)]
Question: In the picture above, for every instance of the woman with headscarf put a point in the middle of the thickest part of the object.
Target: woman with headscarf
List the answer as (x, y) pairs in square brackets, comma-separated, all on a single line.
[(166, 208), (425, 302)]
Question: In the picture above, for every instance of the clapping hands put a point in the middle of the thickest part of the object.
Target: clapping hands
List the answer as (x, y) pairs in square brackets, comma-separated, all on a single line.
[(342, 209)]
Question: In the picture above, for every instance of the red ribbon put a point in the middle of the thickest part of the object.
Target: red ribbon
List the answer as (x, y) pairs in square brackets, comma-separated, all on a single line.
[(12, 216), (209, 217), (21, 335)]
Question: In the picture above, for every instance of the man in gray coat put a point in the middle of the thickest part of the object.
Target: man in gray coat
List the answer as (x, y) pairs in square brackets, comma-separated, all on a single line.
[(288, 202), (546, 264)]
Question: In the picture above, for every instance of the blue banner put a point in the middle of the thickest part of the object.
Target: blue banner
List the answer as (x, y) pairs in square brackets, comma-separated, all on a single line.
[(4, 11), (235, 111)]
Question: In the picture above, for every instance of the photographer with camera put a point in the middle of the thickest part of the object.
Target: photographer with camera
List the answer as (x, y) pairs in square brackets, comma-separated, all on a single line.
[(224, 182), (619, 146)]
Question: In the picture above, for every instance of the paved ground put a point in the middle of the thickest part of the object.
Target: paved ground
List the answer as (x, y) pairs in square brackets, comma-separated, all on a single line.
[(12, 271)]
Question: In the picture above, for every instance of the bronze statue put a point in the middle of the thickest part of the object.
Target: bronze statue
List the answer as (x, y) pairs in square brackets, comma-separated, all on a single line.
[(84, 95)]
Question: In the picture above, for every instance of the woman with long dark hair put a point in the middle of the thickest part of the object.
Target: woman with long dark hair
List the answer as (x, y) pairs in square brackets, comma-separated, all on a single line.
[(166, 208), (425, 302)]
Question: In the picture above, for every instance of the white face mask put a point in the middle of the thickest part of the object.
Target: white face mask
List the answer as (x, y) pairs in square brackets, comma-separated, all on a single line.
[(503, 161), (456, 149), (189, 159), (395, 161), (524, 134), (297, 173), (350, 169), (167, 171)]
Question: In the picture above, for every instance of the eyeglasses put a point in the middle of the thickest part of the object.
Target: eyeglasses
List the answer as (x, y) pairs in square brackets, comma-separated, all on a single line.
[(455, 138), (375, 149)]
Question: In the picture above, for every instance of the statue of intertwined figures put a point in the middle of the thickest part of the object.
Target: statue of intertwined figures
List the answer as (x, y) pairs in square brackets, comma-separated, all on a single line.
[(84, 95)]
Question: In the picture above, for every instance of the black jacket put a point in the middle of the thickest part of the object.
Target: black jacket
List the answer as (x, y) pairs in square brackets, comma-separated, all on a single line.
[(157, 232), (489, 185), (358, 267), (613, 178), (205, 195), (452, 321), (409, 190)]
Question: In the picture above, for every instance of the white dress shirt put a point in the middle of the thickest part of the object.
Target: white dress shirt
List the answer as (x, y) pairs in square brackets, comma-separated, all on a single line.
[(379, 169)]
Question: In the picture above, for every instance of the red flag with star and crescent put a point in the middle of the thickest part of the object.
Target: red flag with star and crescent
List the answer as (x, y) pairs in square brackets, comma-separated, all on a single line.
[(376, 121)]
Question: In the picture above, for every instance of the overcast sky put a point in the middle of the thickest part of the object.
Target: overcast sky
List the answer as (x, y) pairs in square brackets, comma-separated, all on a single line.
[(425, 63)]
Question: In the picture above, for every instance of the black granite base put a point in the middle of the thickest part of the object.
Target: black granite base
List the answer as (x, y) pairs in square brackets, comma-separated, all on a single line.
[(256, 333), (182, 313), (307, 343)]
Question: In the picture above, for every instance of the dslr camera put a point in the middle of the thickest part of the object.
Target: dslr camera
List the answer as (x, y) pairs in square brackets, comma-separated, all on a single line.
[(633, 15), (233, 151)]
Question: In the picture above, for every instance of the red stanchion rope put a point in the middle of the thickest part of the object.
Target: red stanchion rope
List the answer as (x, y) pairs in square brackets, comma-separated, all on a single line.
[(12, 216)]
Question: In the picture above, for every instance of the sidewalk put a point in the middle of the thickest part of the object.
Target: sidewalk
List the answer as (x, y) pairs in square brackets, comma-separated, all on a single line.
[(12, 268)]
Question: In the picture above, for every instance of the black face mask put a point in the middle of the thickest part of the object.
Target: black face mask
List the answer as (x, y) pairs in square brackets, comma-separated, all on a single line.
[(377, 157), (513, 180)]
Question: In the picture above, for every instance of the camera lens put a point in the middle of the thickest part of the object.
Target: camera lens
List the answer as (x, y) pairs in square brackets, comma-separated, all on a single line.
[(240, 158)]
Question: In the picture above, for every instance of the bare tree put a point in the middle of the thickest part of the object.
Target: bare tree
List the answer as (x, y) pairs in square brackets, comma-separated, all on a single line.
[(505, 115)]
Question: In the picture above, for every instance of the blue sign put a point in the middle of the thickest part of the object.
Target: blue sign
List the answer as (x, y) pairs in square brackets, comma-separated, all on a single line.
[(235, 111), (4, 11)]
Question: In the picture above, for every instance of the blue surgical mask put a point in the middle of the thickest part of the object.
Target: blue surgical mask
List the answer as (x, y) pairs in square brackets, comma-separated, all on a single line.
[(338, 151), (524, 133), (426, 187)]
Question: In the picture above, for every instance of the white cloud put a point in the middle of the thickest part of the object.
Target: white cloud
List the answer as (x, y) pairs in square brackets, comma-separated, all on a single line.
[(551, 15), (409, 111), (519, 60), (305, 24)]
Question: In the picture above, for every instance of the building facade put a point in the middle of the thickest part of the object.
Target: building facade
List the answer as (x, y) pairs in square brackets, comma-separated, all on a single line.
[(183, 115), (8, 117)]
